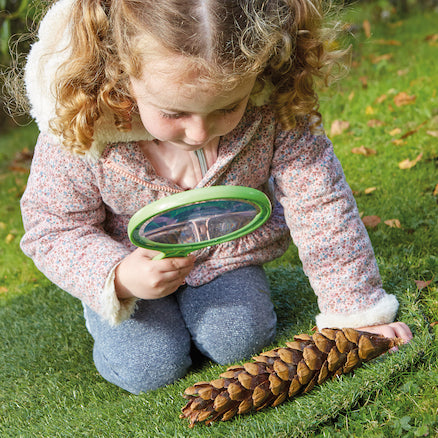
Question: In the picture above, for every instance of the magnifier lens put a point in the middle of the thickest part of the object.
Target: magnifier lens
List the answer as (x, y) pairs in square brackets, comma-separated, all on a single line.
[(199, 222)]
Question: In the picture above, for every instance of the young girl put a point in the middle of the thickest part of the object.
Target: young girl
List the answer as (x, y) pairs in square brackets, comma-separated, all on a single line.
[(140, 99)]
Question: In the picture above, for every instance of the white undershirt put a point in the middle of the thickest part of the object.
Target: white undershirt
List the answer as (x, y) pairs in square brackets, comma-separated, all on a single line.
[(185, 168)]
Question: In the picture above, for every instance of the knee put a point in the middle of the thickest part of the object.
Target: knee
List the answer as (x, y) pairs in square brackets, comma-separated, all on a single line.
[(140, 372), (229, 338)]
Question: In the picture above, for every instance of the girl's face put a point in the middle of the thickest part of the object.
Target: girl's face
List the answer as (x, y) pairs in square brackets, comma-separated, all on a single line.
[(176, 108)]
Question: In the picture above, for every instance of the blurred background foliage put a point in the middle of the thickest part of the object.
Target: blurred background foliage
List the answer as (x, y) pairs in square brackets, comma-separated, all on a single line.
[(19, 21)]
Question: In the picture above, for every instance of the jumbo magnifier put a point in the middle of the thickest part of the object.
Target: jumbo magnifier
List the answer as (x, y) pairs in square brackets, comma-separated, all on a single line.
[(191, 220)]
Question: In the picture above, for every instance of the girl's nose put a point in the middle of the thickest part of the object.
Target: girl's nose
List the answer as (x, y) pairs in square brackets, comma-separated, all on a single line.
[(197, 129)]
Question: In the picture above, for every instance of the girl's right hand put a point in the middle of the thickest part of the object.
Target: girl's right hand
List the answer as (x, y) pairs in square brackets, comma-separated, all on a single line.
[(139, 276)]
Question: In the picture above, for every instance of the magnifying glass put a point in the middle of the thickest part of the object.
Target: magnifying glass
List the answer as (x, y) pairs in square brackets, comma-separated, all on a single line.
[(191, 220)]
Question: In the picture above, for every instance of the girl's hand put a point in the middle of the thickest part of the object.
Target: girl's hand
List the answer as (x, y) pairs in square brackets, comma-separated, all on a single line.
[(139, 276), (393, 330)]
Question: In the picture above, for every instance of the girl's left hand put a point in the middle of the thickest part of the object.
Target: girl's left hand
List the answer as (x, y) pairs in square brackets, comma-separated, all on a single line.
[(392, 330)]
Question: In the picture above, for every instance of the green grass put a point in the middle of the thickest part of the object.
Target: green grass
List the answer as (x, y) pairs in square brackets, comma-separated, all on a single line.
[(50, 388)]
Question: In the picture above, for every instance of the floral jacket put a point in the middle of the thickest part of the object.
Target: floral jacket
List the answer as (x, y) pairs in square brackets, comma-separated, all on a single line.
[(76, 209)]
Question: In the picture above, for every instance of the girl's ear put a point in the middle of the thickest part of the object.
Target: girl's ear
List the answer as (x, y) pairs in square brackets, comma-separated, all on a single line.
[(262, 91)]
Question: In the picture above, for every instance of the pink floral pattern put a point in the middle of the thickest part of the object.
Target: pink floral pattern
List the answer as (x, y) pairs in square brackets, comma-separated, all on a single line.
[(76, 212)]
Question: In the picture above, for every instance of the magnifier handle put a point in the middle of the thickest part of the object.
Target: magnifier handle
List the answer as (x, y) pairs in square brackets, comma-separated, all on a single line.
[(159, 256), (163, 255)]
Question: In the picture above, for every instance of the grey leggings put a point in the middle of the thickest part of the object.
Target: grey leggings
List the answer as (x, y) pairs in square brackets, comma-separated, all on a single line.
[(228, 319)]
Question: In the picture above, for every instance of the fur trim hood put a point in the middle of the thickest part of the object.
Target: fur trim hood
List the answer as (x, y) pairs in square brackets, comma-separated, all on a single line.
[(45, 57)]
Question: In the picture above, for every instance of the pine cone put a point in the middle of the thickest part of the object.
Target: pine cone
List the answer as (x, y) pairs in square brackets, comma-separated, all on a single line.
[(282, 373)]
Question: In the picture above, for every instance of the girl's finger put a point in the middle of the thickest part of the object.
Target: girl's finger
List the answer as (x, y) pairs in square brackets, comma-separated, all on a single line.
[(402, 331)]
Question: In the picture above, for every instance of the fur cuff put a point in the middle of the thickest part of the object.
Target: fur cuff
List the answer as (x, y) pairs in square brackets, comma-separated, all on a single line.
[(114, 310), (382, 313)]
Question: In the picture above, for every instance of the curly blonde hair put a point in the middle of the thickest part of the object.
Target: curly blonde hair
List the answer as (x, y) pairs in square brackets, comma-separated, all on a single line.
[(283, 42)]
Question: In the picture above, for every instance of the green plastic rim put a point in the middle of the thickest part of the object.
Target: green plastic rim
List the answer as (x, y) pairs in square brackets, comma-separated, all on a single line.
[(247, 195)]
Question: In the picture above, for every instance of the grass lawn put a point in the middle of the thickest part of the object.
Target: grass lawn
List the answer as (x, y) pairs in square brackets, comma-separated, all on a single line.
[(388, 106)]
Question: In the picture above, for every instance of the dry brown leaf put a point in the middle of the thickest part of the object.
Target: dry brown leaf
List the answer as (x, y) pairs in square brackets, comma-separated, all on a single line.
[(396, 24), (364, 81), (435, 191), (367, 28), (18, 169), (403, 72), (432, 38), (407, 164), (395, 131), (432, 133), (388, 42), (404, 98), (382, 98), (398, 142), (369, 190), (371, 221), (362, 150), (413, 131), (351, 96), (422, 284), (385, 57), (338, 127), (3, 289), (408, 134), (373, 123), (9, 238), (393, 223)]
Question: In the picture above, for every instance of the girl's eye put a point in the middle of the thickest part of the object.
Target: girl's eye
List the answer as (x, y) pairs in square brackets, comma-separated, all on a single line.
[(171, 115), (230, 110)]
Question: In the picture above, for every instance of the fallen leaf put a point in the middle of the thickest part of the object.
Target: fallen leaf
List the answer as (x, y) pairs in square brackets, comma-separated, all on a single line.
[(351, 96), (18, 169), (373, 123), (432, 133), (367, 28), (432, 38), (407, 164), (377, 59), (362, 150), (369, 110), (396, 24), (393, 223), (381, 98), (369, 190), (435, 191), (422, 284), (388, 42), (338, 127), (403, 72), (371, 221), (9, 238), (409, 133), (398, 142), (3, 289), (413, 131), (2, 226), (433, 324), (403, 98), (394, 131), (364, 81)]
